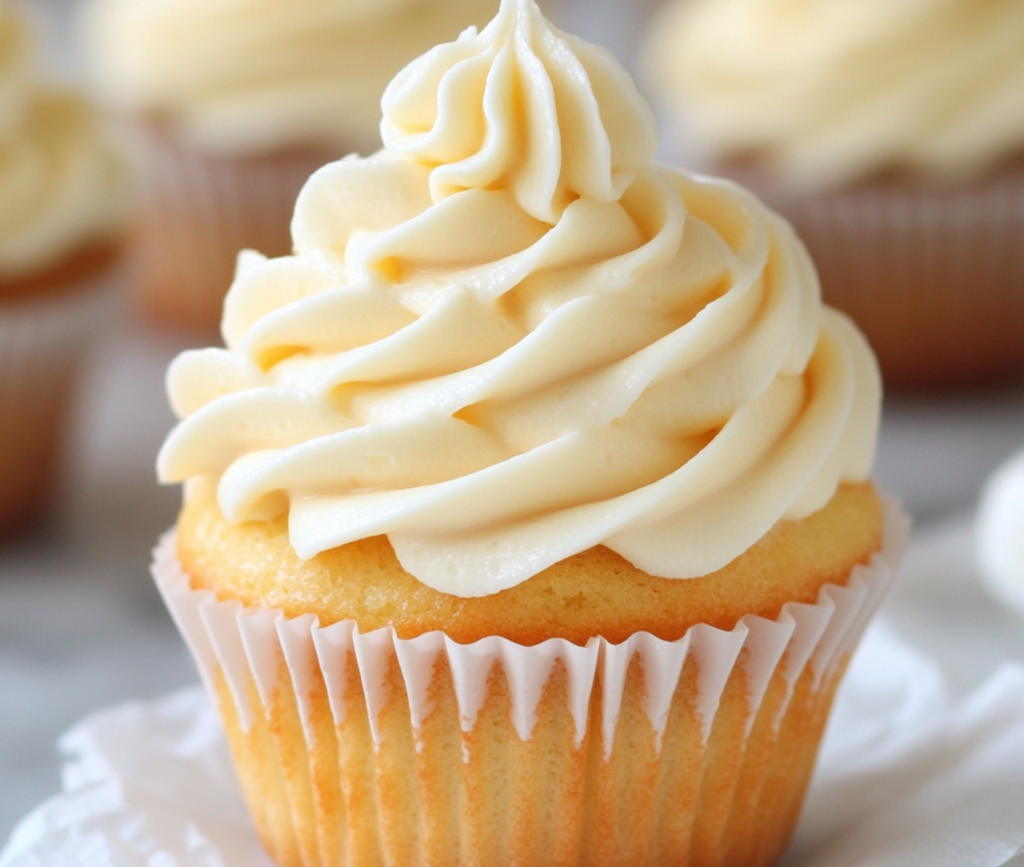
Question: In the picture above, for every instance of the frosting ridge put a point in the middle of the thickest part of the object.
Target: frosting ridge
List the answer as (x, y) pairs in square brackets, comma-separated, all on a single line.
[(827, 92), (61, 183), (499, 359)]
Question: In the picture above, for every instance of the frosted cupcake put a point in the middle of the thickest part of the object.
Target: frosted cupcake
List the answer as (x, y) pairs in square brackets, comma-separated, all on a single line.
[(235, 105), (61, 217), (892, 136), (527, 514)]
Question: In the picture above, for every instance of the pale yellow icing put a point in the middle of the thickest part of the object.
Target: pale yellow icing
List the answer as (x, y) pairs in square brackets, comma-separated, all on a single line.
[(826, 92), (248, 75), (509, 337), (61, 183)]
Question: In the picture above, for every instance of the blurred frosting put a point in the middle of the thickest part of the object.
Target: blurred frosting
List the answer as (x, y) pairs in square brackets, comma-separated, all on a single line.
[(508, 338), (827, 92), (247, 75), (61, 184), (1000, 534)]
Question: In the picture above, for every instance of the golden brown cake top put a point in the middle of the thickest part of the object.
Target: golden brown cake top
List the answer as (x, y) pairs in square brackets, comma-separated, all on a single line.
[(593, 593), (510, 337)]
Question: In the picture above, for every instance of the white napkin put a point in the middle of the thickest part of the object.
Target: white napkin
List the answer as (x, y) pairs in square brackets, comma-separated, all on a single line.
[(907, 778)]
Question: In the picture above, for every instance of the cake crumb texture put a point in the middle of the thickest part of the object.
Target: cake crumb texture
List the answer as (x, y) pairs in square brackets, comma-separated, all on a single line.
[(594, 593)]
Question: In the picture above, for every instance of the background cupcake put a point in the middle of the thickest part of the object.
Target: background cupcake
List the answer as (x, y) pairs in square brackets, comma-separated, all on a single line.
[(235, 104), (892, 136), (1000, 534), (527, 513), (61, 217)]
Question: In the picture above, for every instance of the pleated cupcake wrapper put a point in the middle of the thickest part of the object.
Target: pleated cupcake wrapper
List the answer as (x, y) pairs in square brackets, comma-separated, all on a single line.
[(199, 212), (934, 277), (42, 343), (45, 332), (248, 645)]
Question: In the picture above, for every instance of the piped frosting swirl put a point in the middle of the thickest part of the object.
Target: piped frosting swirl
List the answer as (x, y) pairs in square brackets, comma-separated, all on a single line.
[(62, 185), (508, 337), (827, 92)]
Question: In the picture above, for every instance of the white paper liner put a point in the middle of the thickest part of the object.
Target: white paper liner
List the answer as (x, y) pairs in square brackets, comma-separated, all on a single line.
[(907, 776), (247, 644)]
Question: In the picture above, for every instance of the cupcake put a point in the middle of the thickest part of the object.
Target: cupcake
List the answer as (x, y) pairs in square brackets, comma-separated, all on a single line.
[(891, 135), (61, 214), (232, 106), (1000, 534), (527, 511)]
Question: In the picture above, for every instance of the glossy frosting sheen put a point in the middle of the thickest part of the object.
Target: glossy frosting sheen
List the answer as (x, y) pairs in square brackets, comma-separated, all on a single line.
[(61, 185), (243, 75), (508, 338), (830, 91)]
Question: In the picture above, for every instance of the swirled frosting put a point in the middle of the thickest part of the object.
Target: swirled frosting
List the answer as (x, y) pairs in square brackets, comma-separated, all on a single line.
[(61, 184), (826, 92), (249, 75), (508, 337)]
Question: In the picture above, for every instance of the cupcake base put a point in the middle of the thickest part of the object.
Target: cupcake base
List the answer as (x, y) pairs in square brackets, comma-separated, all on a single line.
[(933, 276), (198, 212), (369, 749), (47, 324)]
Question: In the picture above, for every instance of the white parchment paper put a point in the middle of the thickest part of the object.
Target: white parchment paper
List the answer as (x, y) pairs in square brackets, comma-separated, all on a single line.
[(907, 777)]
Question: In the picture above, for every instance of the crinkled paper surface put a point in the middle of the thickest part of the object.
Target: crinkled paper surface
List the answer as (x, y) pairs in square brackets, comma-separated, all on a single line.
[(908, 778)]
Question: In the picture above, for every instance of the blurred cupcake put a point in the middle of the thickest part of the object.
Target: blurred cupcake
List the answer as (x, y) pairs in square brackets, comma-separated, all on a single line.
[(892, 136), (61, 216), (235, 104), (1000, 534), (527, 515)]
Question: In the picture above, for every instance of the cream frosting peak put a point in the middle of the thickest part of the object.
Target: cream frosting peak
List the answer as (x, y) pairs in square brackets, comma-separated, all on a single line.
[(509, 337), (523, 107), (61, 183)]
